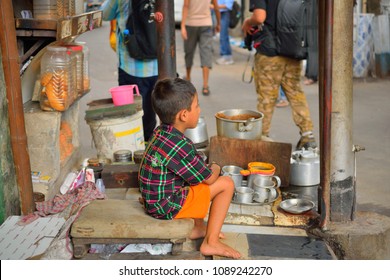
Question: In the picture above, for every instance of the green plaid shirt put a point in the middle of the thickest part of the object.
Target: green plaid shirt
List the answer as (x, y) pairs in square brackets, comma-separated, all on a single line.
[(171, 164)]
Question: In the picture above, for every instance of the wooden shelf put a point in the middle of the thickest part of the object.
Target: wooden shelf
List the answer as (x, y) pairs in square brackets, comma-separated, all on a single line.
[(60, 29)]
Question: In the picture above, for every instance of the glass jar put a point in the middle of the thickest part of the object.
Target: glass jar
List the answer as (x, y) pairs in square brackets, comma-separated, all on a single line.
[(77, 52), (86, 77), (57, 79)]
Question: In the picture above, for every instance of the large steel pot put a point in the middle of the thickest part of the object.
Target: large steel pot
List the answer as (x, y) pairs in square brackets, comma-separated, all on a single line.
[(198, 135), (239, 123), (305, 168)]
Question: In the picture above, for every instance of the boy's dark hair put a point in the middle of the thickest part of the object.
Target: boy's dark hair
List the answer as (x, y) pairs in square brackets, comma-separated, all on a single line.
[(170, 96)]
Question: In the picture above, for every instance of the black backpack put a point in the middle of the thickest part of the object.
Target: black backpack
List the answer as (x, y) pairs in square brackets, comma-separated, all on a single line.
[(292, 24), (141, 32), (235, 15)]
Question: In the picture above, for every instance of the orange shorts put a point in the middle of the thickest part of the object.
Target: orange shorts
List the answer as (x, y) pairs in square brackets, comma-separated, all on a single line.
[(197, 203)]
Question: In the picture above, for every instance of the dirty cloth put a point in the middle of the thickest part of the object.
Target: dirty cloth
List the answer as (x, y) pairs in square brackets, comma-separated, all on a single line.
[(74, 200)]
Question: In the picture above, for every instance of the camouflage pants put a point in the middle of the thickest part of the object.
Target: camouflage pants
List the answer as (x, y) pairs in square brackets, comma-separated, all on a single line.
[(269, 74)]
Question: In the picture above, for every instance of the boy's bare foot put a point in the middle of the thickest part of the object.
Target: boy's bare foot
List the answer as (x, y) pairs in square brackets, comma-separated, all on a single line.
[(199, 231), (218, 249)]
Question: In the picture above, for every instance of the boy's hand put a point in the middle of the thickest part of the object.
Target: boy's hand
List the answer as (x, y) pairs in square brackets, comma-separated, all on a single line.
[(215, 167)]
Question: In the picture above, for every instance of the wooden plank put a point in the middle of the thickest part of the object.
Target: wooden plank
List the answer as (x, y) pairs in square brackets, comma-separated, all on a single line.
[(230, 151), (31, 23), (191, 255)]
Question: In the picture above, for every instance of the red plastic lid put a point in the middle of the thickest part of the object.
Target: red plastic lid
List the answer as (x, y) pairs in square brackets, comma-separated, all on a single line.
[(75, 47)]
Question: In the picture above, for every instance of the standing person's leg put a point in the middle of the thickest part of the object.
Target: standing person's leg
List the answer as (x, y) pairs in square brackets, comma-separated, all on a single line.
[(300, 108), (206, 55), (267, 75), (224, 43), (221, 193), (189, 49), (145, 87)]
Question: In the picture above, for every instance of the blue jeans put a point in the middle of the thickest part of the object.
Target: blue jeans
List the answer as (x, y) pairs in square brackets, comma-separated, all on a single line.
[(224, 43), (282, 95), (145, 87)]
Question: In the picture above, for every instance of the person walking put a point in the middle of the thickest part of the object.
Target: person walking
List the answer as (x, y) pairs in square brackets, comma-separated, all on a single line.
[(282, 99), (311, 71), (225, 50), (271, 71), (196, 29), (143, 73)]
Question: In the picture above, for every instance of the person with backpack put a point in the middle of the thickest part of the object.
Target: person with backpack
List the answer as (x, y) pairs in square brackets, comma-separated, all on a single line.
[(273, 70), (225, 50), (142, 72)]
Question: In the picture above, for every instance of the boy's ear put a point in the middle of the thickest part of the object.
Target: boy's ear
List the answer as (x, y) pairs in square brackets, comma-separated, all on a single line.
[(182, 115)]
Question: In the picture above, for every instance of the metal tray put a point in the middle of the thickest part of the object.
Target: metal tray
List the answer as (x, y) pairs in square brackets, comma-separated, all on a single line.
[(257, 203), (297, 205)]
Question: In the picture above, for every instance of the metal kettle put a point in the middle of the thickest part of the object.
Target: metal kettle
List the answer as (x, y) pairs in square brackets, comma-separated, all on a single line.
[(305, 168)]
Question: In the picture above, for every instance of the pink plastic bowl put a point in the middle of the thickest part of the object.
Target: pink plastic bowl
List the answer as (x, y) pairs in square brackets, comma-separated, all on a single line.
[(123, 95)]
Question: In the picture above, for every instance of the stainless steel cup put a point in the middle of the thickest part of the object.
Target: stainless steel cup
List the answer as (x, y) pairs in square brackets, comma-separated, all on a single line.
[(233, 172)]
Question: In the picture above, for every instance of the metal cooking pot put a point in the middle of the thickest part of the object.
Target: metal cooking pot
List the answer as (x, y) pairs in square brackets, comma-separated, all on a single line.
[(198, 135), (305, 168), (239, 123)]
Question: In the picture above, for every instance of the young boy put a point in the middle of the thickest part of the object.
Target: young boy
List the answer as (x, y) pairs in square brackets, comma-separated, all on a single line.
[(174, 180)]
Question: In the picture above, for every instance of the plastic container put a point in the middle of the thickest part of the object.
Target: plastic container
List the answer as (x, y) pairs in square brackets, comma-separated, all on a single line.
[(100, 185), (77, 52), (86, 77), (120, 133), (123, 95), (57, 79)]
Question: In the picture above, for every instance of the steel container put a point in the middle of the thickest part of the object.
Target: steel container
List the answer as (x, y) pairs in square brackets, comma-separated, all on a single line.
[(239, 123)]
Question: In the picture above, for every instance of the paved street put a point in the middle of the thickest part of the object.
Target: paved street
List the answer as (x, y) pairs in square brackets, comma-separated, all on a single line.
[(371, 114)]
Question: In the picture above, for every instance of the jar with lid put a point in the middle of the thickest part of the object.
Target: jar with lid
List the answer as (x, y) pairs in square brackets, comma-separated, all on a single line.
[(77, 52), (86, 78), (123, 156), (57, 79)]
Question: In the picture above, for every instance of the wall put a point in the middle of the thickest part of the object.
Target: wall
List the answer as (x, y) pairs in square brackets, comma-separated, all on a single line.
[(9, 196)]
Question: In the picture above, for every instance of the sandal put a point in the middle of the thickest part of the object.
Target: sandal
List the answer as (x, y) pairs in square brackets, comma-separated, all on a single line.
[(309, 82), (206, 91), (282, 103)]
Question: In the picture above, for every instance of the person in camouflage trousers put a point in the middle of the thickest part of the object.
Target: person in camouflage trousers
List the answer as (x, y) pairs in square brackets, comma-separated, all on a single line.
[(272, 71)]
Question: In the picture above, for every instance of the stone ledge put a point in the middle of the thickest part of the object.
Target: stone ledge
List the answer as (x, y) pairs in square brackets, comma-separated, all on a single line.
[(365, 238)]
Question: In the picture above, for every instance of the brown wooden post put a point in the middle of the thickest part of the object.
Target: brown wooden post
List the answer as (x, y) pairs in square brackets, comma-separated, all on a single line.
[(166, 51), (10, 60), (325, 25)]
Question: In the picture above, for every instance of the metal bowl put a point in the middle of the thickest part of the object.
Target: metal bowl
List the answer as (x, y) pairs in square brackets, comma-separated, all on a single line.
[(297, 205)]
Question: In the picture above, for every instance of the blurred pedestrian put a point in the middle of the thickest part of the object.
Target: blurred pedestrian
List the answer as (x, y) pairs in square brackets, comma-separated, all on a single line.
[(143, 73), (282, 99), (225, 50), (311, 69), (271, 71), (196, 29)]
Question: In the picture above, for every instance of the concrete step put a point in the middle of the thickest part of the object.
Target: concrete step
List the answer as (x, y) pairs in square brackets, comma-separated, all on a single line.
[(275, 243)]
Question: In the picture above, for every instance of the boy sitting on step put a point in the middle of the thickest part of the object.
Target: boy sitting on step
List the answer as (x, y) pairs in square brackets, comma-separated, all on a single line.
[(175, 181)]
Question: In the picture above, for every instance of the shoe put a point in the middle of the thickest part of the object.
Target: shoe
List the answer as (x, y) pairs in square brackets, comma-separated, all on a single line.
[(206, 91), (282, 103), (266, 138), (307, 141), (224, 61), (308, 82)]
